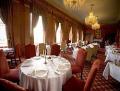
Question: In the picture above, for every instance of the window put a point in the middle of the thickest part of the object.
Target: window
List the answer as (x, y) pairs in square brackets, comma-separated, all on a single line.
[(70, 34), (38, 32), (77, 36), (58, 34), (3, 36)]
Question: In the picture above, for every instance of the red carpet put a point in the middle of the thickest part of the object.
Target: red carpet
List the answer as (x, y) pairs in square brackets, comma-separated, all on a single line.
[(100, 84)]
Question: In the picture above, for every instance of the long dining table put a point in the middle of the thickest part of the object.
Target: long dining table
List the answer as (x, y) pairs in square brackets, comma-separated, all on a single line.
[(45, 73), (113, 63)]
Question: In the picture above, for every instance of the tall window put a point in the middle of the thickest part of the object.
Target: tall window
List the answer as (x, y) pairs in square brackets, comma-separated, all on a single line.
[(3, 36), (58, 34), (77, 36), (70, 34), (38, 32)]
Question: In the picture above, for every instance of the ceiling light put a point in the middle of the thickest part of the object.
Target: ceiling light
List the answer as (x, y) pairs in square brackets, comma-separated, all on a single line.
[(74, 4), (91, 18), (96, 26)]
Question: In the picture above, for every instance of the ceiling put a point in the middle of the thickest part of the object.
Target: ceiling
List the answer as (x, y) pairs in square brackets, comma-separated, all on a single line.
[(108, 11)]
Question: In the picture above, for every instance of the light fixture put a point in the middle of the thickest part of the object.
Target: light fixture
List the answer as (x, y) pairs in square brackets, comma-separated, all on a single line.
[(96, 26), (91, 19), (74, 4)]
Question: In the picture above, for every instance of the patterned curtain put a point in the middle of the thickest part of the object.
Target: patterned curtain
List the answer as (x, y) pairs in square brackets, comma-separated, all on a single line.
[(74, 32), (6, 16), (66, 26)]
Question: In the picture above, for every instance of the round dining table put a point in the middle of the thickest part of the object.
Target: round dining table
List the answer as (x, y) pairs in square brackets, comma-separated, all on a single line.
[(45, 73)]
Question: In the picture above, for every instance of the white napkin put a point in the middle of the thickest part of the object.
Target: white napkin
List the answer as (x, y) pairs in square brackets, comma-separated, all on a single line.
[(27, 64), (39, 73)]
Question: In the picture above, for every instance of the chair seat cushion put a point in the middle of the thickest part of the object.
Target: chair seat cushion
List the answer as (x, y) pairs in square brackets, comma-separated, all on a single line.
[(74, 84), (13, 75)]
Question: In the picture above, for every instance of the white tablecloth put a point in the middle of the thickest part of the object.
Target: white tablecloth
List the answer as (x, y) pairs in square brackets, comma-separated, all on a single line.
[(111, 55), (112, 70), (38, 76)]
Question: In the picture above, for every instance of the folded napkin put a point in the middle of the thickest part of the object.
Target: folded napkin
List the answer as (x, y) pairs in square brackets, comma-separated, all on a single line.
[(36, 58), (41, 73), (26, 65)]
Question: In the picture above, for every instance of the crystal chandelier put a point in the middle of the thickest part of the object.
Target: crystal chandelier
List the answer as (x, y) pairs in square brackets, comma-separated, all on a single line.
[(96, 26), (92, 20), (74, 4)]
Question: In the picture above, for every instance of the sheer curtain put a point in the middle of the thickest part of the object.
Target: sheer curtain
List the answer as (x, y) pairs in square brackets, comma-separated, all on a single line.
[(39, 32), (58, 34), (35, 17)]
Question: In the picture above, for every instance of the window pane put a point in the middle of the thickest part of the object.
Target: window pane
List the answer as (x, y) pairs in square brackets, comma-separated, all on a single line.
[(58, 34), (3, 36), (38, 32), (70, 34)]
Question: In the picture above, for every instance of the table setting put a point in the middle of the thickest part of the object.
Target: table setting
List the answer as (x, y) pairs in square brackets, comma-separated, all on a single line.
[(48, 71)]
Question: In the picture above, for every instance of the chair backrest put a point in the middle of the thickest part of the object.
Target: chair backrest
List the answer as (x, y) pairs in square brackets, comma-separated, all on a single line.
[(18, 50), (91, 75), (30, 51), (99, 63), (81, 56), (55, 49), (63, 46), (42, 48), (6, 85), (89, 53), (4, 67)]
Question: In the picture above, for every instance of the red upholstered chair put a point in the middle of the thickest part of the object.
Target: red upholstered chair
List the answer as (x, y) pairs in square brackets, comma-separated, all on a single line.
[(6, 85), (75, 84), (78, 66), (55, 49), (5, 72), (69, 50), (30, 51)]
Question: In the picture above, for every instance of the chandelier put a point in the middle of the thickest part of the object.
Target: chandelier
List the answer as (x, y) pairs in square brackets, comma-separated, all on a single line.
[(92, 20), (96, 26), (74, 4)]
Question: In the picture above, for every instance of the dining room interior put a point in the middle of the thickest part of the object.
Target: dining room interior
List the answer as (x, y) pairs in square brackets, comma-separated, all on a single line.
[(59, 45)]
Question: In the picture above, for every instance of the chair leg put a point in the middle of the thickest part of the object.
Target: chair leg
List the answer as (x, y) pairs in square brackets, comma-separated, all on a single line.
[(20, 59), (81, 75)]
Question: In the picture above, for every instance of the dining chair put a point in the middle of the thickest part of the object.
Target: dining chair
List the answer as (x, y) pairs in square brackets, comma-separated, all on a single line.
[(55, 49), (78, 65), (89, 53), (6, 85), (75, 84), (42, 48), (5, 71), (69, 50), (16, 55), (30, 51), (63, 46)]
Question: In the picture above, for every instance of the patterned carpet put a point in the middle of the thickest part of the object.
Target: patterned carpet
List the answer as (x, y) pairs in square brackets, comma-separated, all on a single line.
[(100, 84)]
